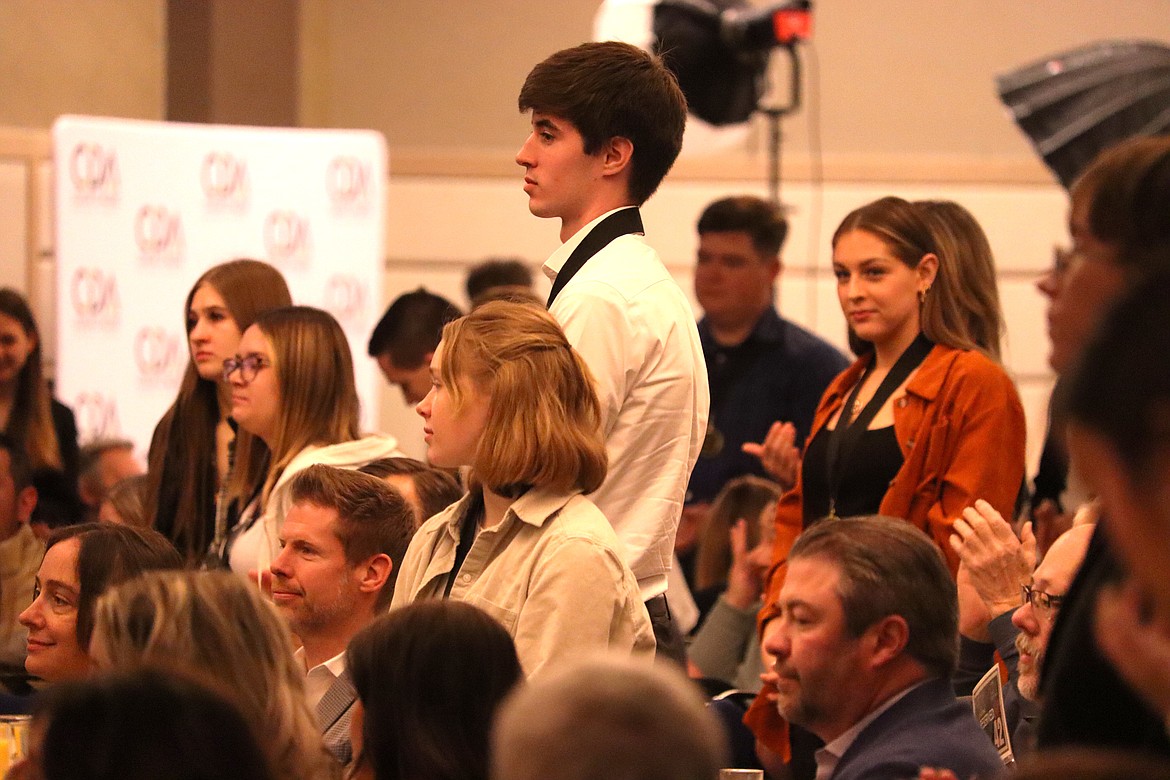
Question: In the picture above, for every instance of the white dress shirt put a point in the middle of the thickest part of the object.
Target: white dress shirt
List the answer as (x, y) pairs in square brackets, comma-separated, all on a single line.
[(830, 755), (634, 328), (321, 677)]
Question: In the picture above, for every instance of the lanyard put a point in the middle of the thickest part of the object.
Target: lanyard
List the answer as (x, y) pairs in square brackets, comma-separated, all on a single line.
[(843, 439), (616, 224)]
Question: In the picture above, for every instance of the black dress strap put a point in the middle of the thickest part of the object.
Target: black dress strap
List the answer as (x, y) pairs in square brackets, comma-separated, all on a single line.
[(617, 224)]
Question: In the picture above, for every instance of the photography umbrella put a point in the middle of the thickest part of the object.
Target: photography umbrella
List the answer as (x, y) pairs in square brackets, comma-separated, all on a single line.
[(1075, 104)]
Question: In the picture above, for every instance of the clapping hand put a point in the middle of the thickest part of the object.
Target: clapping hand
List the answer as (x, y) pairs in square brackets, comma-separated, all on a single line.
[(992, 560), (778, 453)]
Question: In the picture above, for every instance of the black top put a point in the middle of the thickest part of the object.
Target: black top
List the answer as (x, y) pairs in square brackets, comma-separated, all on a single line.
[(780, 373), (1084, 700), (65, 425), (58, 502), (865, 477)]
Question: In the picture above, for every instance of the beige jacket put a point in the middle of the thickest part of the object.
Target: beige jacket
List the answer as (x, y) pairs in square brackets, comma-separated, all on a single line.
[(552, 573), (20, 559)]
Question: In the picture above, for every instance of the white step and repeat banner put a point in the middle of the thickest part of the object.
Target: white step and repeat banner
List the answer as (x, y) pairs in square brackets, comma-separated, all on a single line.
[(143, 208)]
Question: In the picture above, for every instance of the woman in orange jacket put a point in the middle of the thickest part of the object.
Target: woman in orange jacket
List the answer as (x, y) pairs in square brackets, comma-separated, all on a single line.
[(926, 420)]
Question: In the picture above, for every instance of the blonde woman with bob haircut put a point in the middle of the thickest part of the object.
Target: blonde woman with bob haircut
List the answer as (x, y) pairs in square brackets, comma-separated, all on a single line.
[(217, 624), (292, 394), (511, 399)]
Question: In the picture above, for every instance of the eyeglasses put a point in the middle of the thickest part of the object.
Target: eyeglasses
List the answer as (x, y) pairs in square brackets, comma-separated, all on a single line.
[(1041, 601), (248, 366)]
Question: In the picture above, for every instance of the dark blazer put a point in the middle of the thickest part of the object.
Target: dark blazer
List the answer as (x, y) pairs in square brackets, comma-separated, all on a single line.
[(926, 727), (334, 713)]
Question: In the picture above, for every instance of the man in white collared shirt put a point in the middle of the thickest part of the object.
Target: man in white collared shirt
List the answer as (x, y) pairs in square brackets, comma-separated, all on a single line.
[(865, 645), (607, 124), (342, 543)]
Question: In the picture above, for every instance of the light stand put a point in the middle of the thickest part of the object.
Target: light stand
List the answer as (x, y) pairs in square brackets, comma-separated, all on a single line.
[(775, 113)]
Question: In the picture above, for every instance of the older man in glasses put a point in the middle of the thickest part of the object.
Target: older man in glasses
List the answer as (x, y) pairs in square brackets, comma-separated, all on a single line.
[(994, 568)]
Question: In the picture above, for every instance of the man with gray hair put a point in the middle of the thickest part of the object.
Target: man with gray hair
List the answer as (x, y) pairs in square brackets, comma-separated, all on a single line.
[(607, 717), (866, 645)]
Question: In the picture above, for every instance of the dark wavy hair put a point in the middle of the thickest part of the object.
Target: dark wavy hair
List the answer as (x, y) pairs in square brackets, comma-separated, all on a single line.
[(609, 89)]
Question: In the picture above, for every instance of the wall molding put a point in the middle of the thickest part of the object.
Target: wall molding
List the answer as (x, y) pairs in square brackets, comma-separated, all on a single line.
[(853, 168)]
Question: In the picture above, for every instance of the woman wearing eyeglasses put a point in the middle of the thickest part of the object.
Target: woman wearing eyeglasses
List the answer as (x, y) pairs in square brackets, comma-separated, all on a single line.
[(186, 469), (293, 397)]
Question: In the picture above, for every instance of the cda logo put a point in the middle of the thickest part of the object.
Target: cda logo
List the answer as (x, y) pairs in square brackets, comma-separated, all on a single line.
[(286, 238), (93, 171), (224, 178), (158, 354), (158, 232), (93, 295), (97, 416), (347, 182), (345, 298)]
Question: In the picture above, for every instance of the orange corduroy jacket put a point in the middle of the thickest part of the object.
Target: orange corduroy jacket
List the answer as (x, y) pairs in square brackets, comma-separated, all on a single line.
[(961, 428)]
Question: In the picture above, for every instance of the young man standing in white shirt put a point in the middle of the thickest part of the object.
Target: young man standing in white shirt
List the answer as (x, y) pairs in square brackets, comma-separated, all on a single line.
[(607, 124)]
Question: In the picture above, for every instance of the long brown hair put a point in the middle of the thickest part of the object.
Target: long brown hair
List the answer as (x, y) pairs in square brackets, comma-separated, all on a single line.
[(968, 300), (743, 497), (318, 397), (30, 423), (180, 494), (903, 227)]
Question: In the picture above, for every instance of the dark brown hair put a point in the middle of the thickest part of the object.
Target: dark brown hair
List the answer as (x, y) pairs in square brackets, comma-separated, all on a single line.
[(142, 724), (430, 677), (411, 327), (762, 220), (107, 555), (610, 89), (437, 489)]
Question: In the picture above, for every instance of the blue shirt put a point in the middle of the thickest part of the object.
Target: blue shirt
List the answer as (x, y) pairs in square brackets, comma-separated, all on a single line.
[(778, 373)]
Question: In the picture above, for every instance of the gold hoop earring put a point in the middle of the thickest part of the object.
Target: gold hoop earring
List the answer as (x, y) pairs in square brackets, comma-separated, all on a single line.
[(922, 295)]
